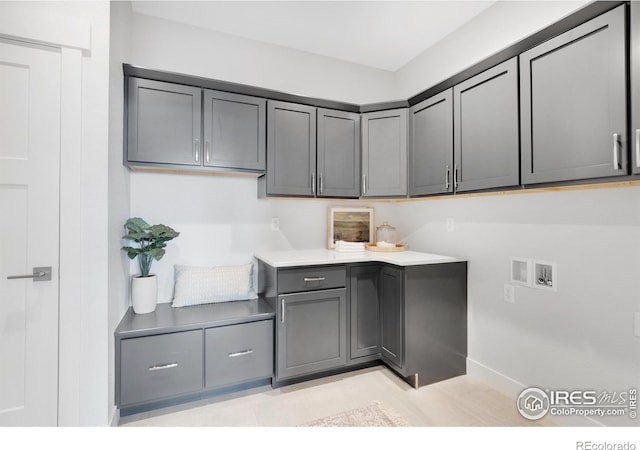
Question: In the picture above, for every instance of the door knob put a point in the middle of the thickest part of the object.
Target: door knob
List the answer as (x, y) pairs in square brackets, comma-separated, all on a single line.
[(39, 274)]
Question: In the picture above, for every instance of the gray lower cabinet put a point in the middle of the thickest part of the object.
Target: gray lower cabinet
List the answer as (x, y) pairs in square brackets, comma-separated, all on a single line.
[(338, 159), (291, 149), (486, 129), (391, 316), (635, 86), (160, 367), (384, 153), (163, 123), (178, 354), (234, 131), (573, 103), (311, 332), (431, 145), (364, 305), (235, 353)]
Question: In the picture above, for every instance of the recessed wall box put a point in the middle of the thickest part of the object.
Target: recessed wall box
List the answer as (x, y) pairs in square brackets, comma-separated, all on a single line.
[(545, 275), (521, 271)]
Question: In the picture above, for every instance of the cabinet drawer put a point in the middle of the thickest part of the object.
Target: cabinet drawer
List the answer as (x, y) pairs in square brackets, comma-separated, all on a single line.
[(238, 353), (311, 279), (161, 366)]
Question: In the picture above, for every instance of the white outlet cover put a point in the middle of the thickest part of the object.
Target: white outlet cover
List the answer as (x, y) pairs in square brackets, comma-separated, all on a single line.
[(509, 293), (275, 224), (450, 225)]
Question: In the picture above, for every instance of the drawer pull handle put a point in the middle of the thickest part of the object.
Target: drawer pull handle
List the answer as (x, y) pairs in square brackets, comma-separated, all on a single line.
[(163, 366), (638, 147), (242, 353), (309, 280), (616, 151)]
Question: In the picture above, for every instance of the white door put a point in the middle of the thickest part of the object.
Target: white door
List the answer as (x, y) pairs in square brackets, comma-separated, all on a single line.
[(29, 233)]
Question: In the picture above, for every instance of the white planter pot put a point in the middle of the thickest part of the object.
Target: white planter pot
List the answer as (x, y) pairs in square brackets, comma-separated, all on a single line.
[(144, 294)]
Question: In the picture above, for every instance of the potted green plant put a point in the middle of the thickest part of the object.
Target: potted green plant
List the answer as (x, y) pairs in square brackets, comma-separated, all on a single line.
[(151, 241)]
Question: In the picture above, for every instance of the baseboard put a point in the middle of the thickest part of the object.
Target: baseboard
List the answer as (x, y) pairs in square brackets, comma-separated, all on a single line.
[(512, 388), (115, 418)]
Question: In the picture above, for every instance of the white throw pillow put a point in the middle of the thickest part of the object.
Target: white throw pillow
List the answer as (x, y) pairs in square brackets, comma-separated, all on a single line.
[(200, 285)]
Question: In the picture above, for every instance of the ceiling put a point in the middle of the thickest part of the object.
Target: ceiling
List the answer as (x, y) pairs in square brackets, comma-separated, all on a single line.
[(381, 34)]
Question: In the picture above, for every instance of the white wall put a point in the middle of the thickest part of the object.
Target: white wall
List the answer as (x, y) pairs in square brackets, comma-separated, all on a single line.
[(220, 218), (166, 45), (580, 337), (221, 221), (499, 26), (119, 183)]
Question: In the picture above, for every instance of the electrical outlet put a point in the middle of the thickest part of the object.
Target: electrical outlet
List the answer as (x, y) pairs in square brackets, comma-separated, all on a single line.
[(275, 224), (509, 293), (636, 327), (449, 225)]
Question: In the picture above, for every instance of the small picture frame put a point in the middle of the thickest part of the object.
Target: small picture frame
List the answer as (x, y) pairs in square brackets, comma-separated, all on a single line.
[(545, 275), (350, 225), (520, 271)]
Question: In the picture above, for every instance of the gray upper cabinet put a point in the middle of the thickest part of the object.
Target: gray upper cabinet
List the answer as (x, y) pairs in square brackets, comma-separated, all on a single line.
[(338, 157), (164, 123), (291, 149), (384, 153), (431, 145), (486, 134), (573, 103), (635, 86), (234, 131)]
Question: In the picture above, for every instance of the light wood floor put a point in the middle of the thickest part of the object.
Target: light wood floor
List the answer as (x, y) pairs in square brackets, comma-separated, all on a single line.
[(460, 401)]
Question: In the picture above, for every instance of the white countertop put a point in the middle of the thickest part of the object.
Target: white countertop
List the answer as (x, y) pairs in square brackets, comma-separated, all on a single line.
[(313, 257)]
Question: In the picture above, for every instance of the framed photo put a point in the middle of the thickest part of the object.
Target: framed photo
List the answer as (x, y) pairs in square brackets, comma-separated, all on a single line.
[(350, 225)]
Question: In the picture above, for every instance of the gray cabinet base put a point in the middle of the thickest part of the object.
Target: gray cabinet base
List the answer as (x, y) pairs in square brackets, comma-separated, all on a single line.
[(193, 397)]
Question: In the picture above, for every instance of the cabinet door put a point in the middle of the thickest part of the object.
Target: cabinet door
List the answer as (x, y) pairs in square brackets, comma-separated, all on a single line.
[(311, 332), (160, 367), (234, 131), (291, 149), (365, 311), (384, 153), (573, 103), (338, 154), (486, 132), (431, 145), (635, 86), (163, 123), (392, 316)]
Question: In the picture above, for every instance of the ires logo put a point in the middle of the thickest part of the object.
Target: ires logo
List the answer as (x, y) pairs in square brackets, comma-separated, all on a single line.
[(573, 398), (534, 403)]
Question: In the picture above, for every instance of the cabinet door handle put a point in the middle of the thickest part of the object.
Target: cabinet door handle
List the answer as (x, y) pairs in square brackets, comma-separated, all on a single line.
[(310, 279), (447, 177), (241, 353), (313, 183), (616, 151), (364, 184), (163, 366), (282, 310), (321, 186), (637, 147), (196, 148), (455, 176), (206, 151)]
